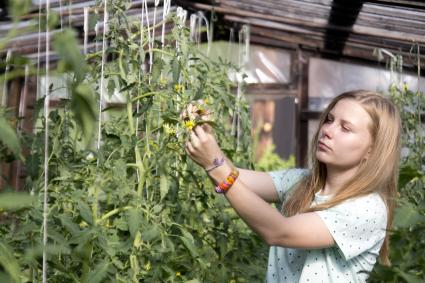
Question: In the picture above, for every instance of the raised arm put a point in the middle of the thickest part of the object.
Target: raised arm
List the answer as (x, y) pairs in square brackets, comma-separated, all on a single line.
[(260, 183), (305, 230)]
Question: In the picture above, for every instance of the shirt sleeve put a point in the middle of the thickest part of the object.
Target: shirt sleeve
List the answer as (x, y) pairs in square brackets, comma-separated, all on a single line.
[(284, 180), (357, 225)]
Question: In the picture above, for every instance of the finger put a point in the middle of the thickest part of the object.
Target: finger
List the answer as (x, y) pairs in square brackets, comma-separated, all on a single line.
[(200, 133), (207, 128), (194, 140), (189, 148), (183, 114)]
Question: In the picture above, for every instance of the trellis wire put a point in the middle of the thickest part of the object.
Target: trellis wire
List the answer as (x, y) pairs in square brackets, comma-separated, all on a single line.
[(86, 28), (244, 40), (5, 92), (46, 145), (102, 77)]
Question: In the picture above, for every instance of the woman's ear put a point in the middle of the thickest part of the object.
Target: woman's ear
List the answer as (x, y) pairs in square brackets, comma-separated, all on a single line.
[(369, 150)]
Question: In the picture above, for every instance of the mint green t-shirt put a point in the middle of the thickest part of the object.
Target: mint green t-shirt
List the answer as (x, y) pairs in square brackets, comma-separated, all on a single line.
[(357, 226)]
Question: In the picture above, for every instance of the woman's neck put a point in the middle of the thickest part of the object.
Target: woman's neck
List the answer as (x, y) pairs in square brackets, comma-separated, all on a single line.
[(336, 178)]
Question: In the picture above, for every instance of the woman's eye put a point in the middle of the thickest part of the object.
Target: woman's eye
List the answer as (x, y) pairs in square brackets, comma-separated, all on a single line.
[(345, 129)]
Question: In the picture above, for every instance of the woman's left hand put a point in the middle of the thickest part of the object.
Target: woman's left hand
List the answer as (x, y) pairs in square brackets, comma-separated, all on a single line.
[(202, 146)]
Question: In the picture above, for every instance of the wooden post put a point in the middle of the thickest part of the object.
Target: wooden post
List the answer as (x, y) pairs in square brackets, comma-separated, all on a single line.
[(302, 105)]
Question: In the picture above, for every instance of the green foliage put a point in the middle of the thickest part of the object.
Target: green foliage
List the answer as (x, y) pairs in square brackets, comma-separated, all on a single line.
[(407, 244), (137, 210), (270, 161), (9, 141)]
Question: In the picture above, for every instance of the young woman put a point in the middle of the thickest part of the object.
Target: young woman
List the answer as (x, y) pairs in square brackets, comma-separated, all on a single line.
[(335, 215)]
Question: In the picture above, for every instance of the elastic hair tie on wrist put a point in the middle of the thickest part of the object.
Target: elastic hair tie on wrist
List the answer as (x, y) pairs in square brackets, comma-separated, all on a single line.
[(217, 163)]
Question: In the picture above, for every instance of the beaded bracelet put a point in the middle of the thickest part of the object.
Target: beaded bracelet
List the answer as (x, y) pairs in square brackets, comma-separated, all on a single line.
[(228, 182)]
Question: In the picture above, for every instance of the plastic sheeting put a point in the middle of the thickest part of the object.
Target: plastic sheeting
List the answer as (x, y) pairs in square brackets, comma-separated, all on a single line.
[(265, 64), (329, 78)]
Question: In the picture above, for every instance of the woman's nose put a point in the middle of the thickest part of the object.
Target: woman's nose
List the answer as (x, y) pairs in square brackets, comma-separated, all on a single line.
[(327, 131)]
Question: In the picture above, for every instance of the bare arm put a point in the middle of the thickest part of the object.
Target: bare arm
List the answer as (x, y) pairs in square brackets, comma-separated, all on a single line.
[(260, 183), (306, 230)]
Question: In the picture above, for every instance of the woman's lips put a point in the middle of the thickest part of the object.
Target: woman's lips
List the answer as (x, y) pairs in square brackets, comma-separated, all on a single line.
[(323, 146)]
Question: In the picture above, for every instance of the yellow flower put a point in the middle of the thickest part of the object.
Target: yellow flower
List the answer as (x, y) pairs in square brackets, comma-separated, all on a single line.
[(169, 129), (163, 81), (405, 87), (83, 224), (178, 88), (189, 124), (148, 266), (178, 274)]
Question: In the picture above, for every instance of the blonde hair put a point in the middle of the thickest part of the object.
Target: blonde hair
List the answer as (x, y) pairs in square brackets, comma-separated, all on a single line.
[(378, 173)]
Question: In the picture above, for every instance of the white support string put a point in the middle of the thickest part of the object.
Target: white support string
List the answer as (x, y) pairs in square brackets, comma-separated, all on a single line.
[(207, 25), (23, 99), (60, 13), (150, 41), (46, 145), (5, 90), (86, 28), (140, 71), (181, 16), (165, 12), (102, 77), (243, 58), (96, 31)]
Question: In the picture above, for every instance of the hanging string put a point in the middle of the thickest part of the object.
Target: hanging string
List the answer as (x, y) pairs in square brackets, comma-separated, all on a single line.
[(150, 41), (165, 12), (102, 77), (5, 90), (60, 13), (46, 144), (23, 99), (140, 73), (201, 17), (86, 28), (21, 115), (181, 16), (244, 40), (96, 31)]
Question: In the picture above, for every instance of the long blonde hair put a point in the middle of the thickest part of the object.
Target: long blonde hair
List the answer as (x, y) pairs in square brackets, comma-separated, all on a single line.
[(378, 173)]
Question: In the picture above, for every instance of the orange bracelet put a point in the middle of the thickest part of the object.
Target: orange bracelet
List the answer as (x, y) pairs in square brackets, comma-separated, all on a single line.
[(228, 182)]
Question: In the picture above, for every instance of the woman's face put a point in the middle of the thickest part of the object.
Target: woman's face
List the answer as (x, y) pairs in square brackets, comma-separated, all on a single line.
[(344, 138)]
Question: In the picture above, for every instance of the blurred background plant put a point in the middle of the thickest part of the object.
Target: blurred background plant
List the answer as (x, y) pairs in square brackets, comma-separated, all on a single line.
[(407, 246)]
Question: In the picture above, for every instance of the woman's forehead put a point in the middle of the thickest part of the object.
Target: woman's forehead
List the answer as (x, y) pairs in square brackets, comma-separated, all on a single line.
[(351, 111)]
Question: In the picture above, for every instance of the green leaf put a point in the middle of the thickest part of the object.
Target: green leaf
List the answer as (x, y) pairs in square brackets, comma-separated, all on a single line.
[(175, 70), (189, 242), (407, 173), (19, 8), (83, 107), (158, 64), (150, 233), (134, 221), (8, 137), (14, 201), (164, 185), (99, 273), (66, 45), (406, 216), (9, 263), (85, 212), (409, 277)]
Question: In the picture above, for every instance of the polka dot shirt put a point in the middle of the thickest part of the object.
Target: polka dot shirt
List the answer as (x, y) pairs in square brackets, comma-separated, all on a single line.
[(357, 226)]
